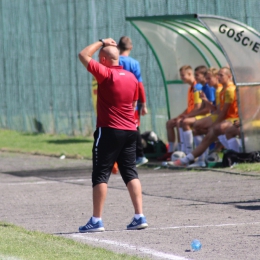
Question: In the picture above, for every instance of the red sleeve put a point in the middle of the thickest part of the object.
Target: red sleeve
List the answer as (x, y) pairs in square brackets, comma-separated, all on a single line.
[(142, 96), (136, 94), (99, 71)]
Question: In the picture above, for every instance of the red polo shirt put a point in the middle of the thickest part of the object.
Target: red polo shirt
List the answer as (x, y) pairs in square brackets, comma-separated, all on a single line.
[(117, 90)]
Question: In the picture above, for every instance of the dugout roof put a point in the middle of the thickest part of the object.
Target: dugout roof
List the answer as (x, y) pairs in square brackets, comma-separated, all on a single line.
[(201, 40)]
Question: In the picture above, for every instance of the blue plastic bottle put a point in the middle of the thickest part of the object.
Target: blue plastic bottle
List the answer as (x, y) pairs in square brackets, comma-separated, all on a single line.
[(195, 245)]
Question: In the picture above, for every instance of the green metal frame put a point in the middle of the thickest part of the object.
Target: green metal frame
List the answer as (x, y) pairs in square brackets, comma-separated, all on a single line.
[(160, 67), (184, 21), (187, 39), (161, 17), (202, 43)]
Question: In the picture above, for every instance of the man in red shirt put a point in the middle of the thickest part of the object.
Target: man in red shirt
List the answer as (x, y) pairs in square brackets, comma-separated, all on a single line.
[(115, 135)]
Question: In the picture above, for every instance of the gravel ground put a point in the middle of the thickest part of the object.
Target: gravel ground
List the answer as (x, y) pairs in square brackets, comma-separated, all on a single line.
[(221, 209)]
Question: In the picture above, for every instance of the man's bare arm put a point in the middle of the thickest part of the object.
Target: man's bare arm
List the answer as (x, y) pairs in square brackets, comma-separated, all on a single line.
[(86, 54)]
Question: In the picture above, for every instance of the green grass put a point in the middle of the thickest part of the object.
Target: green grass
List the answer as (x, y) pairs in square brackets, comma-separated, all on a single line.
[(18, 243), (55, 145), (247, 167), (72, 147)]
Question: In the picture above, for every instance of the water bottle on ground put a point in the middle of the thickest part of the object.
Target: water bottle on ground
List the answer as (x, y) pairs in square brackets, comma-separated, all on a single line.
[(195, 245)]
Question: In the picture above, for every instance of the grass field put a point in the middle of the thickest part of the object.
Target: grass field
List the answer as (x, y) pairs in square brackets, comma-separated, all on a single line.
[(71, 147), (18, 243), (54, 145)]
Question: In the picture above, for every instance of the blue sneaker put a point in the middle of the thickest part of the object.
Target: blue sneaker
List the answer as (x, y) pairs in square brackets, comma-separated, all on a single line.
[(140, 161), (91, 227), (138, 224)]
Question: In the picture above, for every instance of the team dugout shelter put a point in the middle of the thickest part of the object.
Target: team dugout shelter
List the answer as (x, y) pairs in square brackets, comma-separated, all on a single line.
[(212, 41)]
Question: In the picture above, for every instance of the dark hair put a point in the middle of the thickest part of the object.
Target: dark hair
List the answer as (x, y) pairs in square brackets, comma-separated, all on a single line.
[(125, 43), (201, 69)]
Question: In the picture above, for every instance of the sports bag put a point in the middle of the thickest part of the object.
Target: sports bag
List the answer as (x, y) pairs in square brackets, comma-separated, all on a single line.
[(152, 143), (230, 157)]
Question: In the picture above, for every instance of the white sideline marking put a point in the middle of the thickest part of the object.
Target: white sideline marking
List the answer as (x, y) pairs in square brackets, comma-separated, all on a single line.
[(151, 251), (203, 226), (184, 227), (134, 248), (44, 182)]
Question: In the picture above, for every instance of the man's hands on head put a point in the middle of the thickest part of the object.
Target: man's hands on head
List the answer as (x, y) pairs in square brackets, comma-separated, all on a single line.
[(86, 54), (109, 42)]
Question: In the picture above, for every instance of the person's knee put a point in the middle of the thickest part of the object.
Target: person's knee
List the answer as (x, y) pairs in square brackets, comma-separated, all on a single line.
[(196, 127), (129, 179), (231, 132), (98, 181), (221, 128), (211, 135), (100, 175), (184, 123), (228, 133), (217, 130), (170, 124), (179, 123)]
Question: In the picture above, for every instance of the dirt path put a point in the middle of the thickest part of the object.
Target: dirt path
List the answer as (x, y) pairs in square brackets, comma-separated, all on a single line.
[(219, 209)]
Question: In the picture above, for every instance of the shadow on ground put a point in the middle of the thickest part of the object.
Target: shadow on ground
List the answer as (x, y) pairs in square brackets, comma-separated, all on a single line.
[(53, 173), (68, 141), (255, 207)]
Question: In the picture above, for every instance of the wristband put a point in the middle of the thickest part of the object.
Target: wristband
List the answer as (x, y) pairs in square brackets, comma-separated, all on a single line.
[(102, 40)]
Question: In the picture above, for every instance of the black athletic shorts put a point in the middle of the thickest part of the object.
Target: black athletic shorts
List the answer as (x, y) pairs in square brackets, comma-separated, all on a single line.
[(112, 145)]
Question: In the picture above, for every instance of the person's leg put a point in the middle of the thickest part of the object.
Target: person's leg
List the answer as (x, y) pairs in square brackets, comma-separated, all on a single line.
[(181, 141), (178, 125), (135, 190), (140, 158), (201, 126), (99, 197), (170, 125), (128, 170), (106, 147), (130, 177), (187, 124), (205, 143), (220, 130), (207, 140), (212, 135), (223, 140), (234, 144), (231, 136), (198, 139), (139, 145), (232, 132)]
